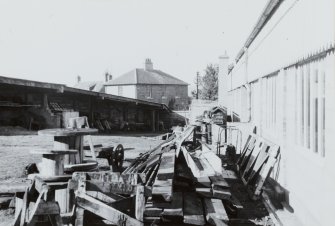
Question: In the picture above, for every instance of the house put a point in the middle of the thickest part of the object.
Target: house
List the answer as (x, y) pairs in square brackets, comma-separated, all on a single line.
[(282, 85), (95, 86), (151, 85)]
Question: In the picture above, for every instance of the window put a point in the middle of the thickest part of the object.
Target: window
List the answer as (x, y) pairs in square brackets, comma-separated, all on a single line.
[(310, 107), (149, 92), (120, 90)]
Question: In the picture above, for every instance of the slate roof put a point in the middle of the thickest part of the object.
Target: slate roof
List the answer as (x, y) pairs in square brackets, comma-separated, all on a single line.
[(141, 76), (95, 86)]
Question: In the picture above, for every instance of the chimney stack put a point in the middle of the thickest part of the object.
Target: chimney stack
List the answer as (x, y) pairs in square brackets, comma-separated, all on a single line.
[(223, 79), (108, 77), (148, 66), (78, 78)]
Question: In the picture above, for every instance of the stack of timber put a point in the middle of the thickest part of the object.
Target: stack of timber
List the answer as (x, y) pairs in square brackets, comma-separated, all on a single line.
[(179, 182)]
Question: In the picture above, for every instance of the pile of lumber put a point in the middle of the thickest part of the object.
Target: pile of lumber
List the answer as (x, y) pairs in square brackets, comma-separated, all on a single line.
[(181, 181)]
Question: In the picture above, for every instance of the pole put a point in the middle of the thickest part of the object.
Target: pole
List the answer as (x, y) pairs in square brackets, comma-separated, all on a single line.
[(197, 85)]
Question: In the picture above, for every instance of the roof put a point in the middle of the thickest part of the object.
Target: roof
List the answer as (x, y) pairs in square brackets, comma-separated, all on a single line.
[(141, 76), (270, 8), (60, 88), (96, 86)]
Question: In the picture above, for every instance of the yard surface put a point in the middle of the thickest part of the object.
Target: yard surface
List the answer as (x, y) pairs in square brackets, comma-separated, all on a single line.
[(15, 155)]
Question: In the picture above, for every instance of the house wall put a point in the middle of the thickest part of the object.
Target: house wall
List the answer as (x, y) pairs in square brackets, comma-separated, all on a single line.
[(127, 90), (165, 94), (294, 106)]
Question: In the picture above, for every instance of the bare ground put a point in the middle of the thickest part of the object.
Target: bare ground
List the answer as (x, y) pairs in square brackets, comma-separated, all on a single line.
[(15, 155)]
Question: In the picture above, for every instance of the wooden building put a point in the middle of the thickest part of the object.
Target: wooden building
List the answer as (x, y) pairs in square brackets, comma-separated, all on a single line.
[(38, 105)]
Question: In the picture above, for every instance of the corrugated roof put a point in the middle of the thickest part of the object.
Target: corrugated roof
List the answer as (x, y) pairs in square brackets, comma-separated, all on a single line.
[(141, 76)]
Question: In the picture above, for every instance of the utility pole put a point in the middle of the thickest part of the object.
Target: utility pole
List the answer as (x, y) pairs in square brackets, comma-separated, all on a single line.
[(197, 83)]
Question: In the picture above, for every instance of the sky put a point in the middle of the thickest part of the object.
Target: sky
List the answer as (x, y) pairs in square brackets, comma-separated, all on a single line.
[(55, 41)]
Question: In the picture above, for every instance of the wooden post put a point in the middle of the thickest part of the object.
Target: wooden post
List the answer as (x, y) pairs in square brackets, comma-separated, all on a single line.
[(45, 101), (61, 196), (153, 121), (52, 164), (157, 123), (139, 203), (24, 208), (80, 192)]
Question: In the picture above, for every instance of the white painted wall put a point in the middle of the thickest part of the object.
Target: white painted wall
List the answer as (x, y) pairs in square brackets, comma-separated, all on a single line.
[(306, 28), (127, 90), (279, 107)]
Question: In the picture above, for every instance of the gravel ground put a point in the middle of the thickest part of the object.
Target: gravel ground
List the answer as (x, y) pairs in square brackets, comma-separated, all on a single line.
[(15, 155)]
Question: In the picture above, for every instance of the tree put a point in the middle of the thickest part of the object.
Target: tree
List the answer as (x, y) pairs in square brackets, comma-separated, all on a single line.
[(208, 84)]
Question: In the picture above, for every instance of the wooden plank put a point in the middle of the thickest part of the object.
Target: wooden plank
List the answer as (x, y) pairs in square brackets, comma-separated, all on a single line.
[(163, 193), (203, 182), (247, 150), (59, 178), (190, 163), (17, 217), (214, 161), (229, 174), (215, 212), (11, 188), (108, 188), (109, 213), (90, 142), (265, 172), (151, 210), (103, 197), (62, 199), (166, 167), (81, 190), (259, 152), (174, 210), (139, 203), (218, 182), (31, 213), (182, 137), (127, 178), (47, 208), (193, 209), (222, 194), (152, 220), (163, 185), (24, 208), (40, 185), (79, 216), (204, 192)]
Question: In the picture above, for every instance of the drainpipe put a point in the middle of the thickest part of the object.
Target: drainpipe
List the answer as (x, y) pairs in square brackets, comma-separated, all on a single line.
[(248, 88), (247, 85), (223, 80)]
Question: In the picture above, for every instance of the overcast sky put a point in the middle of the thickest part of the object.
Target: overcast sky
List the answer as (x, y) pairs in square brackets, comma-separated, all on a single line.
[(54, 41)]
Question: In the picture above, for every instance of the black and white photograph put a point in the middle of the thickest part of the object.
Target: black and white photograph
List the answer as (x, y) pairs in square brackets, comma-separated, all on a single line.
[(167, 112)]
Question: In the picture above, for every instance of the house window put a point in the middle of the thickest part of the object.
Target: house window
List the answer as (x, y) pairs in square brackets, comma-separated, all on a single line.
[(120, 90), (164, 92), (149, 90)]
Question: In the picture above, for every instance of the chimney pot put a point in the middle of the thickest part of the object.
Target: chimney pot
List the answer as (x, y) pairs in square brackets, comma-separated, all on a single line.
[(148, 65), (108, 77)]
